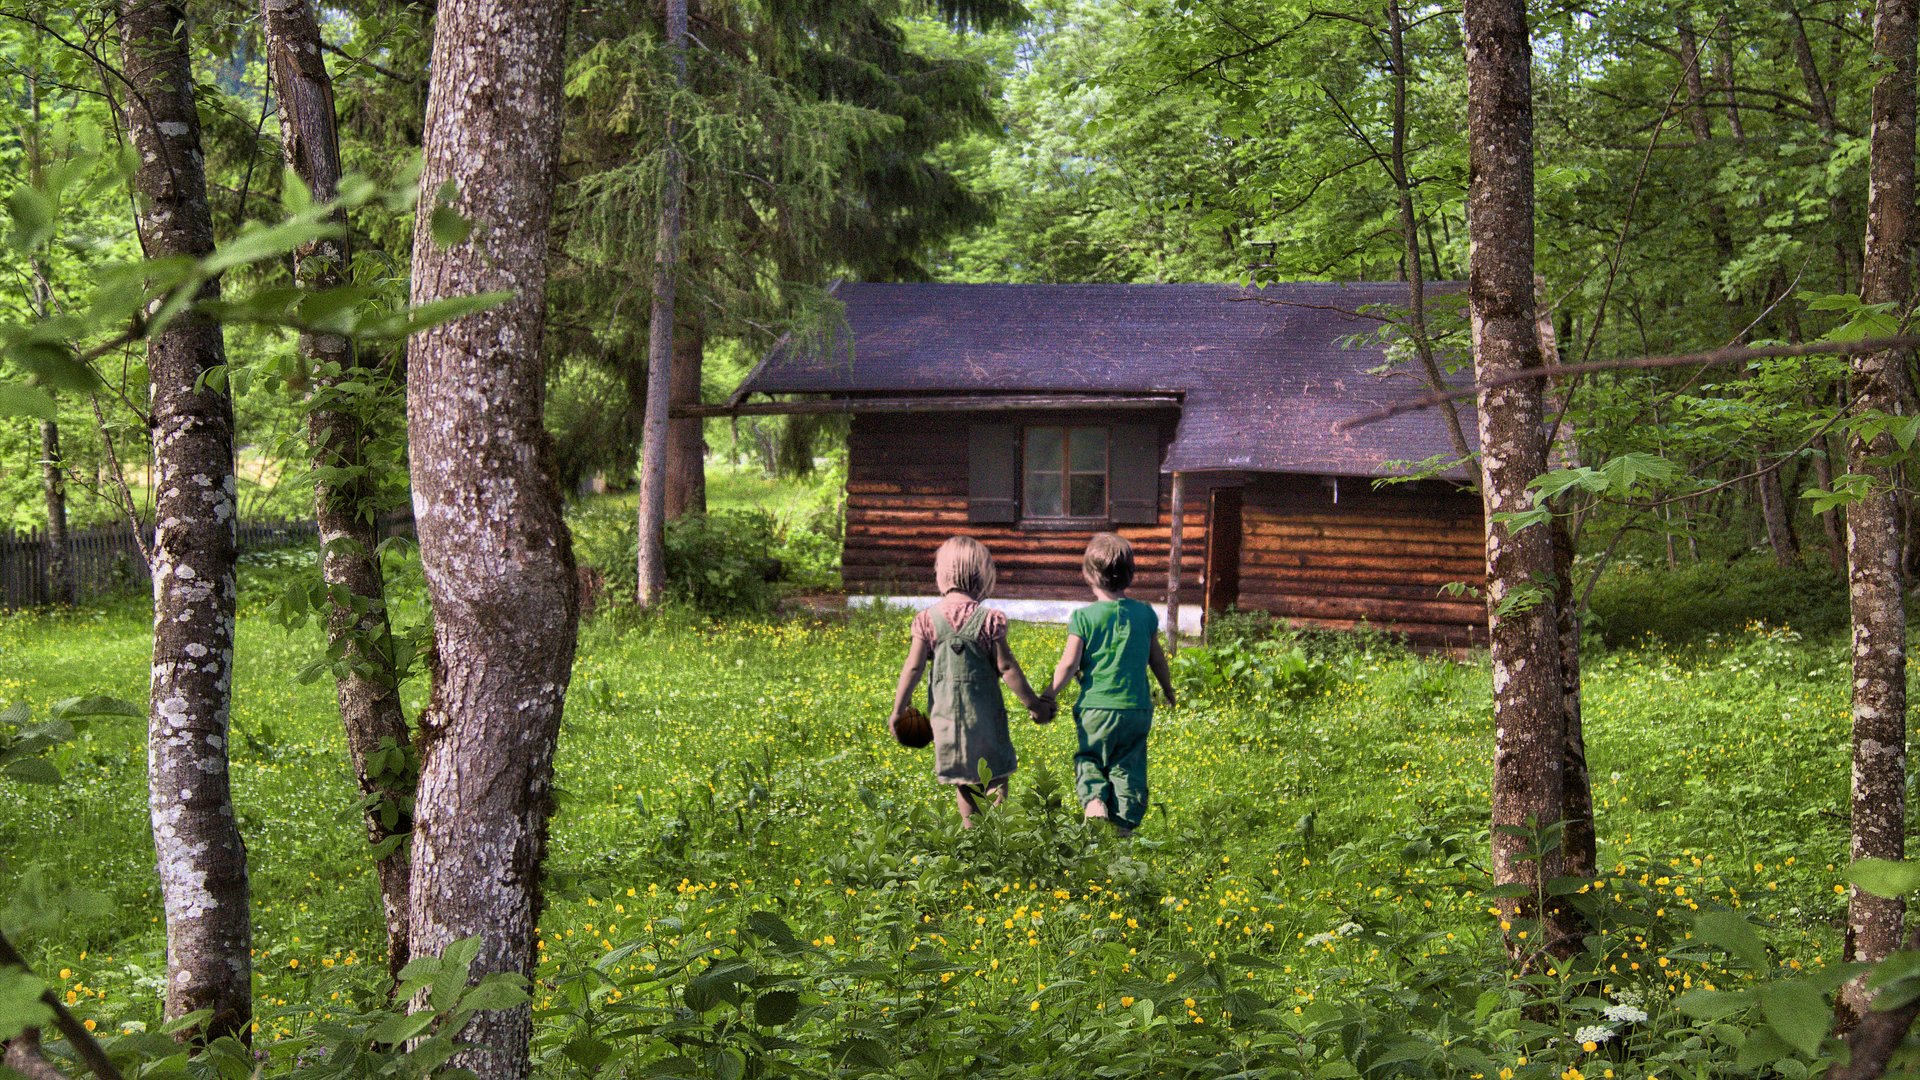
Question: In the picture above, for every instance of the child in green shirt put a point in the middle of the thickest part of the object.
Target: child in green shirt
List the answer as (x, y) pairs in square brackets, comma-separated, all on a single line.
[(1111, 645)]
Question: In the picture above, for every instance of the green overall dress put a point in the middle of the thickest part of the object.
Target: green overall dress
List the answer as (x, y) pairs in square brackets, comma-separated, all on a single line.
[(969, 717)]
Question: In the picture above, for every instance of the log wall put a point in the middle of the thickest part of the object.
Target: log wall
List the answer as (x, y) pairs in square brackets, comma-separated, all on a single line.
[(1376, 557), (907, 493)]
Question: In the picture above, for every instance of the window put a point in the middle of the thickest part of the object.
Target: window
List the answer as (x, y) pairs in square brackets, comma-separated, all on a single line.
[(1065, 472)]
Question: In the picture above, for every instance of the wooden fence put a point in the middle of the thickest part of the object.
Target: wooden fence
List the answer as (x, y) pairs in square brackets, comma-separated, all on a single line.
[(106, 559)]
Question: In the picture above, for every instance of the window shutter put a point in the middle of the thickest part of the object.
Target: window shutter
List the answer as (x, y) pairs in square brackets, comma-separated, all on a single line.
[(1135, 480), (993, 474)]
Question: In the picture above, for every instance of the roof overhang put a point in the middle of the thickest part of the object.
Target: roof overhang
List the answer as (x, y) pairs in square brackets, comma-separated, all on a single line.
[(928, 403)]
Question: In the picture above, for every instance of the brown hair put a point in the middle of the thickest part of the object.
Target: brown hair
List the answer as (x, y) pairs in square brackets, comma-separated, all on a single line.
[(963, 564), (1109, 561)]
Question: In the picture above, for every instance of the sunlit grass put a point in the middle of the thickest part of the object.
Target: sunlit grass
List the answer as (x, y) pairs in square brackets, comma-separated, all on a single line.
[(708, 771)]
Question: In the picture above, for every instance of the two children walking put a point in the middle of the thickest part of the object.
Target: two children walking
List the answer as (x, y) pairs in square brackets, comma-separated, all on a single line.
[(1113, 645)]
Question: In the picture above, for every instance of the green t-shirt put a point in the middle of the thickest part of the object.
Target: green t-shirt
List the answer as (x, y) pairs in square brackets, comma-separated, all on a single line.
[(1113, 670)]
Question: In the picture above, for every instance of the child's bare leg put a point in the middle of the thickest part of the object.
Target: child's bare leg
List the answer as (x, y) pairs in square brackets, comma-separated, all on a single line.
[(963, 798), (1097, 810)]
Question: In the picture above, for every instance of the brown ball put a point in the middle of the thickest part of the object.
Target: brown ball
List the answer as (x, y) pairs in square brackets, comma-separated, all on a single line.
[(914, 730)]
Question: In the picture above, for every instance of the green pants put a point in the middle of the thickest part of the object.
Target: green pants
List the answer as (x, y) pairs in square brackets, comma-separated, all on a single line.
[(1111, 764)]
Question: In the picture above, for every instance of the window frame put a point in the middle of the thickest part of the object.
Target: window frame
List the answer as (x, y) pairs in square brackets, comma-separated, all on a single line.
[(1066, 474)]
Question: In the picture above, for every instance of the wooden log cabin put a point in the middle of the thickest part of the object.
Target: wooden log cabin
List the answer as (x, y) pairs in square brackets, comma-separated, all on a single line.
[(1195, 420)]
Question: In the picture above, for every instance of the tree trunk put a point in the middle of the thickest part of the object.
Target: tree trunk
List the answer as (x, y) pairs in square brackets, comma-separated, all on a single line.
[(651, 570), (1579, 840), (1723, 33), (1830, 521), (1775, 512), (1873, 532), (1523, 624), (1410, 234), (686, 439), (494, 546), (357, 627), (1823, 115), (62, 586), (23, 1055), (202, 861)]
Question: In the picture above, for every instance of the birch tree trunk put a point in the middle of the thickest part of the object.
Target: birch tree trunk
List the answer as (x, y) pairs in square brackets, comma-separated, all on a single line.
[(495, 549), (651, 570), (202, 861), (367, 695), (1523, 624), (686, 438), (1873, 526)]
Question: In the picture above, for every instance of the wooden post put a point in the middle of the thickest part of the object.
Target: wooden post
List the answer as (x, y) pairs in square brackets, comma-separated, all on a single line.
[(1173, 564)]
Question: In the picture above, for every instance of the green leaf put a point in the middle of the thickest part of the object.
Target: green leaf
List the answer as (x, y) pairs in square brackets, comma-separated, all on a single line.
[(456, 960), (1890, 878), (271, 242), (295, 195), (1761, 1048), (19, 400), (20, 1004), (776, 1007), (31, 770), (587, 1052), (448, 227), (433, 313), (495, 992), (97, 705), (1895, 980), (32, 213), (1713, 1004), (401, 1027), (1797, 1013), (186, 1021), (1730, 931), (772, 927)]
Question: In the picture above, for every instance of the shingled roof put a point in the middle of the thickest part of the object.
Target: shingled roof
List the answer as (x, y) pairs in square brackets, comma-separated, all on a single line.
[(1263, 373)]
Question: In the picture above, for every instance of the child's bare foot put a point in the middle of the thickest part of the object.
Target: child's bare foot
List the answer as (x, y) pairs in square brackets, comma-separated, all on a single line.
[(1097, 811)]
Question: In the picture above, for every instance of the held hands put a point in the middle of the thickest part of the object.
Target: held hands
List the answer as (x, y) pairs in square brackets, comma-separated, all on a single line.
[(1043, 710)]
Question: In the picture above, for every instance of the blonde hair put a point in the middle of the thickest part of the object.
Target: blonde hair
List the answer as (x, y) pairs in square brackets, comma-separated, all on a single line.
[(964, 564), (1109, 561)]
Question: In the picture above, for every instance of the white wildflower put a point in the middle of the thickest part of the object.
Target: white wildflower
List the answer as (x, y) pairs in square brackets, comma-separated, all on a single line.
[(1593, 1033), (1624, 1013)]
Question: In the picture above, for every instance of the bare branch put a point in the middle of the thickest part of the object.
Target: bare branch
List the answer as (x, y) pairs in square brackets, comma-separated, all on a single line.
[(1715, 356)]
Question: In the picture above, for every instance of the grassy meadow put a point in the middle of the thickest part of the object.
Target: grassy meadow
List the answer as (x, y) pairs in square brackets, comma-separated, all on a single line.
[(1307, 894)]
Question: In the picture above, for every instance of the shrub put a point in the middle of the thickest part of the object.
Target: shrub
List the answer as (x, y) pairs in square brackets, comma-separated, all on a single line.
[(724, 563), (1633, 603), (1248, 669)]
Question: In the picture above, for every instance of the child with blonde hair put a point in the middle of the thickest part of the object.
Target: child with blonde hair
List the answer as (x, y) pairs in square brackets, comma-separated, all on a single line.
[(1112, 645), (962, 645)]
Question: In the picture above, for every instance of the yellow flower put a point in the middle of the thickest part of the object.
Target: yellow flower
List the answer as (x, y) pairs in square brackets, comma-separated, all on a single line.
[(1126, 1003)]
